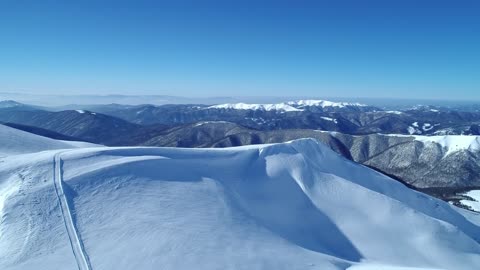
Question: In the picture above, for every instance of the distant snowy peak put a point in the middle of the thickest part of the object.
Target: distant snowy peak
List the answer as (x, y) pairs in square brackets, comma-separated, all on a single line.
[(85, 112), (323, 103), (262, 107), (453, 143), (394, 112), (213, 123), (450, 143), (9, 104), (291, 106)]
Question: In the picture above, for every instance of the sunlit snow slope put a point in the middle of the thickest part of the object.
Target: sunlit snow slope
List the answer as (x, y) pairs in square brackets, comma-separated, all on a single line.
[(295, 205), (15, 141)]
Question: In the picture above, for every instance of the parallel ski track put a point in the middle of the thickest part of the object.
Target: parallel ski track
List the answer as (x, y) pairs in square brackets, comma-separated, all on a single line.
[(75, 242)]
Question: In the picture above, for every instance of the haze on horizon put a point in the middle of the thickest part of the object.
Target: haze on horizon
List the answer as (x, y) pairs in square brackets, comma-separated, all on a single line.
[(380, 49)]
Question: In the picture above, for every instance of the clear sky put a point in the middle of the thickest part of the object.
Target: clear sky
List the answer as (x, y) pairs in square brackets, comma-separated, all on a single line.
[(388, 48)]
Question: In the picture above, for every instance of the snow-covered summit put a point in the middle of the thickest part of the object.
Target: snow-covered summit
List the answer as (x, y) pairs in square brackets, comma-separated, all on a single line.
[(323, 103), (263, 107), (294, 205), (9, 104), (290, 106)]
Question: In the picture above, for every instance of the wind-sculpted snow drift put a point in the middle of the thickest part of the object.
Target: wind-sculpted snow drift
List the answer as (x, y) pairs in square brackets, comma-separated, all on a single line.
[(295, 205)]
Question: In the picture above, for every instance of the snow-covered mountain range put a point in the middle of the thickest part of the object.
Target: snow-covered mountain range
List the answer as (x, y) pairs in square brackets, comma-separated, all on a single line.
[(345, 117), (262, 107), (291, 106), (422, 164), (295, 205)]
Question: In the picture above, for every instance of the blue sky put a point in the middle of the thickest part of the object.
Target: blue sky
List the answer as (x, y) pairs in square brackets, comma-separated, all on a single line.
[(393, 49)]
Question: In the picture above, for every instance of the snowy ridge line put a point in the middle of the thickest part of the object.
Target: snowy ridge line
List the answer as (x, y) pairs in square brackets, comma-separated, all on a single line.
[(290, 106), (77, 246)]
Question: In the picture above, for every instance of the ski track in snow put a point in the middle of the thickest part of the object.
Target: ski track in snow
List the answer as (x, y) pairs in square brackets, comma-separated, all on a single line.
[(77, 246)]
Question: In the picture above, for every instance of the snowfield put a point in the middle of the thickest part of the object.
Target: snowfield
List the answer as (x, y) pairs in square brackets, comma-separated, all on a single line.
[(475, 204), (14, 141), (295, 205), (453, 143), (448, 143)]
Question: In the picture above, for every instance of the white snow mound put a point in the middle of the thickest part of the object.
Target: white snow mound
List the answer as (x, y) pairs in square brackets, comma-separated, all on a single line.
[(295, 205)]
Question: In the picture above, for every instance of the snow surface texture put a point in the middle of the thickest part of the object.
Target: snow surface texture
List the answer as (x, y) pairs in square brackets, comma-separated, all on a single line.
[(14, 141), (475, 204), (290, 106), (295, 205)]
